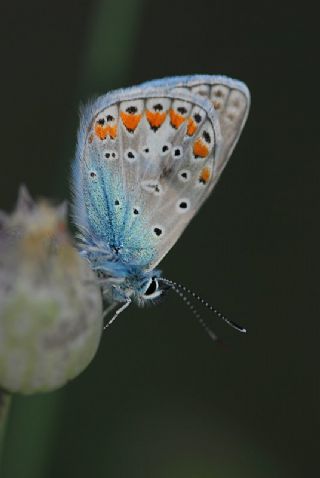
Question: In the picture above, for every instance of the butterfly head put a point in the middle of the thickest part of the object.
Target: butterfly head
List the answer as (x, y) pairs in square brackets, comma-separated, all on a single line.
[(143, 288), (119, 280)]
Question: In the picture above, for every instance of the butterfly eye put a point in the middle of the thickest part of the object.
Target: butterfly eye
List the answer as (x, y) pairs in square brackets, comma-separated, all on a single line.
[(152, 289)]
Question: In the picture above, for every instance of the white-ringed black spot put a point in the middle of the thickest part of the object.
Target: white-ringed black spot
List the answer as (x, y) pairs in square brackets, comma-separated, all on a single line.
[(182, 110), (110, 118), (157, 231), (131, 110), (206, 136), (93, 174), (165, 148), (130, 155), (177, 152), (117, 202), (101, 121), (146, 151), (135, 211), (183, 205), (184, 175), (158, 107), (197, 118), (111, 155)]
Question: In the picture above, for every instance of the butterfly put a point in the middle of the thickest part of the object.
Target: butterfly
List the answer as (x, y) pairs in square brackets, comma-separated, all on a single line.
[(147, 158)]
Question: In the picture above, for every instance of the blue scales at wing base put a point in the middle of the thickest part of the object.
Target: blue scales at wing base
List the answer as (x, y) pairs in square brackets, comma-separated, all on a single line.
[(110, 213)]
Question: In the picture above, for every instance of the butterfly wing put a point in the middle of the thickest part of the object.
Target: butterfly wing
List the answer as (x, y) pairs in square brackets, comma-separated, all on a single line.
[(147, 158)]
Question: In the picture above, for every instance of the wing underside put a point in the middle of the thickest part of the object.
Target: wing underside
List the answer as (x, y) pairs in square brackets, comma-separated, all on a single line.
[(147, 159)]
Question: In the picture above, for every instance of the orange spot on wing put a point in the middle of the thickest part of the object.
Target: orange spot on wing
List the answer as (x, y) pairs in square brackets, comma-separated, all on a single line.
[(130, 121), (176, 119), (200, 150), (155, 119), (112, 131), (205, 175), (103, 131), (192, 127)]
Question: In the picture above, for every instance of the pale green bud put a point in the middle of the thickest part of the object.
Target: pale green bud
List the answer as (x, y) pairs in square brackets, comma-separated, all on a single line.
[(50, 302)]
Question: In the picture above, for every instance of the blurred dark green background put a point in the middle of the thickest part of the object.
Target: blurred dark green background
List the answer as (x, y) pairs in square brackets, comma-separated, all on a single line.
[(160, 399)]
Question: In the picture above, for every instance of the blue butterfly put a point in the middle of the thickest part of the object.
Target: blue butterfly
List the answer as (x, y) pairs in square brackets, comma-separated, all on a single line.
[(147, 158)]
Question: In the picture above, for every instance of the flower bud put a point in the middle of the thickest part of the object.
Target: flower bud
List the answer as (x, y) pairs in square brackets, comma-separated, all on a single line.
[(50, 302)]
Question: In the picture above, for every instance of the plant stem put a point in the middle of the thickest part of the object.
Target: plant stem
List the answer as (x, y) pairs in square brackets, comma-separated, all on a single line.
[(5, 400)]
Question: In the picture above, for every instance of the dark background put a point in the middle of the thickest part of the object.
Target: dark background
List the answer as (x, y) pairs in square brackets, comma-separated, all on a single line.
[(160, 399)]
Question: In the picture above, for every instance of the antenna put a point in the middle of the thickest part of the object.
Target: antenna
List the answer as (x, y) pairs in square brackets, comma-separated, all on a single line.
[(179, 287), (211, 334)]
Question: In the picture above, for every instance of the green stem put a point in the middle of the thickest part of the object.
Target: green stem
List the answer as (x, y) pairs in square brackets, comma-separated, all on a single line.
[(5, 401)]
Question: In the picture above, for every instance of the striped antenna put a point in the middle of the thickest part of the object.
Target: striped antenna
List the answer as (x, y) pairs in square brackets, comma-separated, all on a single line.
[(178, 288)]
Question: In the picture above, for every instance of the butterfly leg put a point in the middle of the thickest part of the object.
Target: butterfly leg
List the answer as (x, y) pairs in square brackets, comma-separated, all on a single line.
[(118, 312), (108, 310)]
